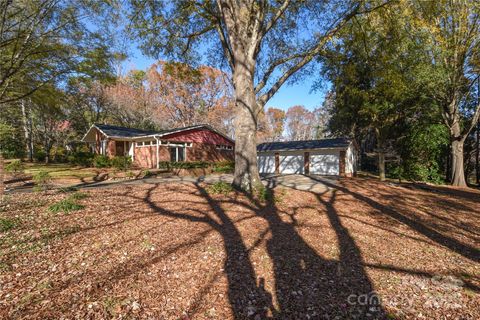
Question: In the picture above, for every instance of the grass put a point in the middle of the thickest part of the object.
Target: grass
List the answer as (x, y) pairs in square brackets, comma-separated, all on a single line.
[(65, 206), (60, 170), (68, 204), (220, 187), (7, 224)]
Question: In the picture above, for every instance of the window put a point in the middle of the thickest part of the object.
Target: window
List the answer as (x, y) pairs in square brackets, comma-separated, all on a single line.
[(223, 147), (145, 143), (177, 154)]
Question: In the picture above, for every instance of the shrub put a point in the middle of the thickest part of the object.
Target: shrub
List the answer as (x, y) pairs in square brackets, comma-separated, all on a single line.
[(42, 180), (59, 154), (101, 161), (146, 173), (81, 158), (121, 163), (11, 143), (40, 155), (184, 165), (220, 187), (66, 206), (224, 167), (15, 167)]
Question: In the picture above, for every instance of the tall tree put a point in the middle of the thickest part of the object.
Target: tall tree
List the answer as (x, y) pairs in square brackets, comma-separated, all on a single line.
[(450, 33), (258, 40), (276, 122), (300, 123), (189, 95)]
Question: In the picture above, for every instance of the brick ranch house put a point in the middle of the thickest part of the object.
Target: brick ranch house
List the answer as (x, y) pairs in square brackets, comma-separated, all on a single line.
[(147, 148)]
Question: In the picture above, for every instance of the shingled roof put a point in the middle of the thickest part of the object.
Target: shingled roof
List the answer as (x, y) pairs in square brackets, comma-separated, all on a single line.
[(304, 145), (116, 131)]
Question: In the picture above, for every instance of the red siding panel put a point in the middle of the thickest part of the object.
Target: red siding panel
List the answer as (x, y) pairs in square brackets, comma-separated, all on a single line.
[(199, 136)]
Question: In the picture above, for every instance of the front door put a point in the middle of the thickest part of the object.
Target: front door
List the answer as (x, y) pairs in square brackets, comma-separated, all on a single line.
[(119, 148)]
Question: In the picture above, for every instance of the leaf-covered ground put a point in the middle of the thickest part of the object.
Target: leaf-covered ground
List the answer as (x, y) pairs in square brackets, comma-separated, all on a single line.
[(176, 251)]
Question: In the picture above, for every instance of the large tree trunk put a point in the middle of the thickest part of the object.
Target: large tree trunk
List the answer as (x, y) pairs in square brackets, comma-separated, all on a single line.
[(458, 174), (381, 165), (246, 172)]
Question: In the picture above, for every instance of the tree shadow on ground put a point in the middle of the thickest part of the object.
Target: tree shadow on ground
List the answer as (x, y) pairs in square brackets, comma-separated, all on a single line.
[(452, 244), (306, 284)]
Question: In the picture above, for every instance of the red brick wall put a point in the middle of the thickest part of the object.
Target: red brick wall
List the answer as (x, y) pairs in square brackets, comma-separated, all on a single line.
[(208, 152), (199, 136), (111, 149), (146, 157)]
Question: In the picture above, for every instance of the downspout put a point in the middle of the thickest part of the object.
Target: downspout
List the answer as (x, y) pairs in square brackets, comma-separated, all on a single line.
[(158, 164)]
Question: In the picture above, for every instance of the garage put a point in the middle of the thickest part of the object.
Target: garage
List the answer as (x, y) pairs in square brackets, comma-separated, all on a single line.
[(325, 162), (291, 163), (330, 157), (266, 163)]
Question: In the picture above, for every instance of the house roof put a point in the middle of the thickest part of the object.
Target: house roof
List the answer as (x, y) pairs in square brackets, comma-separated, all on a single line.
[(118, 132), (332, 143)]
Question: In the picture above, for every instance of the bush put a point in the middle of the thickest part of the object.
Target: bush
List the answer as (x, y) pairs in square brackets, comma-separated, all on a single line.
[(101, 161), (42, 180), (220, 187), (224, 167), (184, 165), (59, 154), (81, 158), (40, 155), (11, 142), (121, 163), (146, 173), (15, 167)]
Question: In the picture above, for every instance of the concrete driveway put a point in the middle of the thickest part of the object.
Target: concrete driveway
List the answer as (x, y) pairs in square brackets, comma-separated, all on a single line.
[(312, 183)]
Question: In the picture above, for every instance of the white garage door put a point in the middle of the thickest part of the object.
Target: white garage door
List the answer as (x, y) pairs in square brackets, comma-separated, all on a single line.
[(291, 163), (324, 163), (266, 163)]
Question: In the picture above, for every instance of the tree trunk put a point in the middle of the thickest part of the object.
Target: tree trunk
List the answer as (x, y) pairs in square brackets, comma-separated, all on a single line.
[(458, 174), (477, 158), (246, 172), (2, 185), (27, 128), (381, 165)]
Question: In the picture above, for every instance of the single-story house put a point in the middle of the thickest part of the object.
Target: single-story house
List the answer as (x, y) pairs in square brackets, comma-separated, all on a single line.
[(337, 156), (148, 148)]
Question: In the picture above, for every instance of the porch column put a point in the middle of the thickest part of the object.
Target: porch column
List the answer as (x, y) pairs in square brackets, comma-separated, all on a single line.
[(158, 163), (277, 163)]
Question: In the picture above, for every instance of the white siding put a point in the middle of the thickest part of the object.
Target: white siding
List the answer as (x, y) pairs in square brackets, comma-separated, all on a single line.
[(325, 162), (291, 163), (266, 163)]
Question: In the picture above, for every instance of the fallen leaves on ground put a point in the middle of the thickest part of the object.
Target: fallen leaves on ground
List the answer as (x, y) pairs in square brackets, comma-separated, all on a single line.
[(173, 251)]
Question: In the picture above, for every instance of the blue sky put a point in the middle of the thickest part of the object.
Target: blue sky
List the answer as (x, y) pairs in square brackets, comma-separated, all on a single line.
[(287, 96)]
